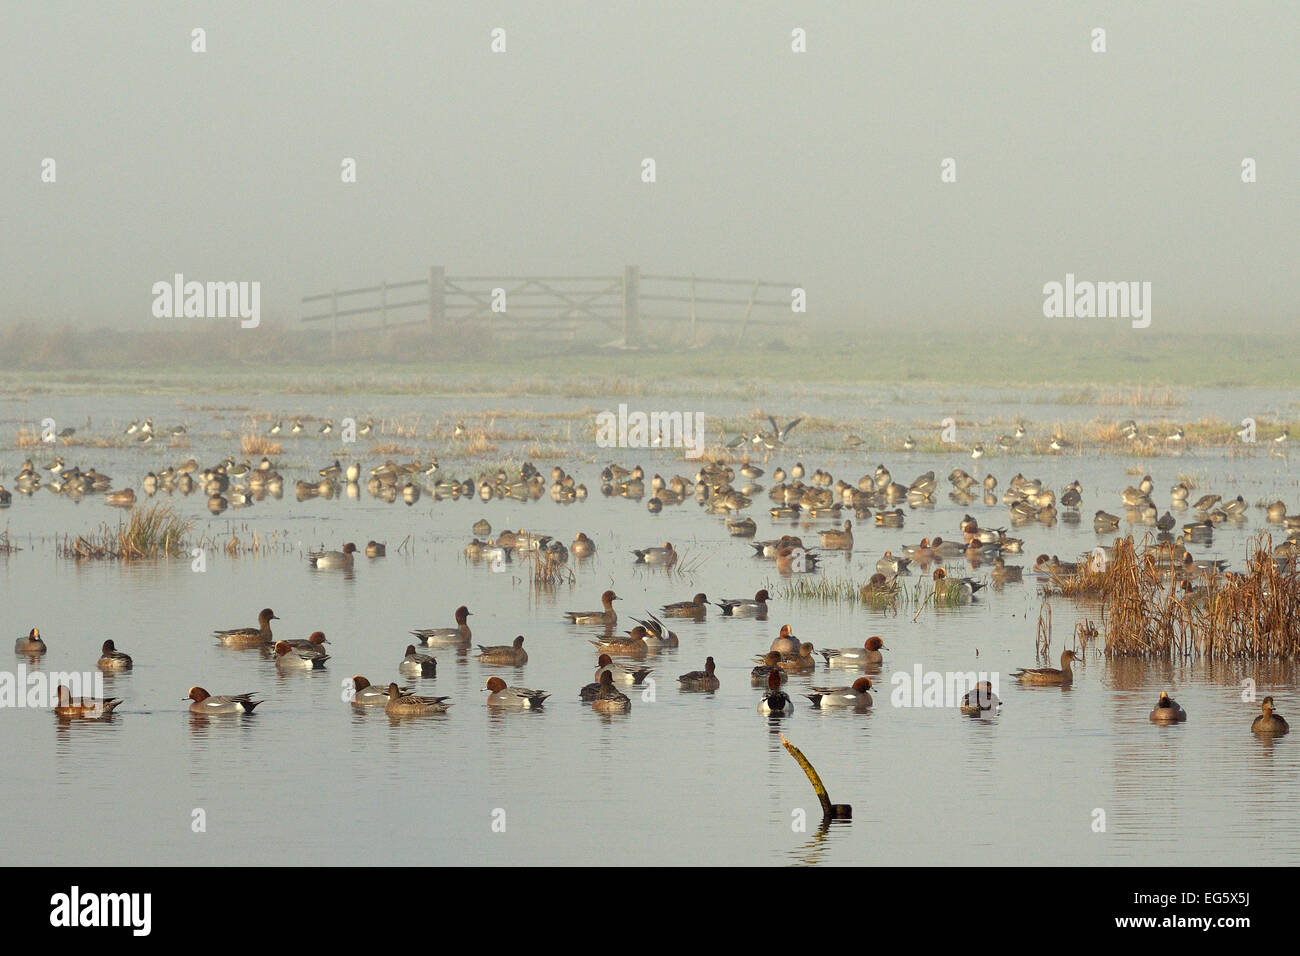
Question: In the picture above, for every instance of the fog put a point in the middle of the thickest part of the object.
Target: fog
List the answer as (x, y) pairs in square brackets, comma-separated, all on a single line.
[(820, 168)]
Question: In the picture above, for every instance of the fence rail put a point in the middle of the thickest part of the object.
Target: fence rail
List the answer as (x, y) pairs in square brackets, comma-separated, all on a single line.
[(558, 303)]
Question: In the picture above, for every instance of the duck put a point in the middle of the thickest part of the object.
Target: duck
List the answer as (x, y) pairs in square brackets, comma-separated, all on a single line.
[(742, 527), (1049, 675), (695, 607), (249, 636), (401, 704), (1167, 710), (981, 702), (415, 664), (1004, 573), (375, 549), (111, 659), (447, 636), (365, 694), (745, 607), (512, 654), (796, 560), (664, 555), (84, 708), (632, 644), (768, 663), (868, 653), (855, 696), (606, 617), (32, 645), (207, 705), (514, 698), (621, 673), (834, 540), (609, 699), (656, 633), (890, 563), (950, 588), (582, 547), (879, 588), (701, 680), (775, 702), (1269, 723), (332, 559), (785, 643), (288, 657), (121, 499), (801, 661)]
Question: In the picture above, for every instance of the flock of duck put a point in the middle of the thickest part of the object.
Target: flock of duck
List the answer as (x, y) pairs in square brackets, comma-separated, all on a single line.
[(875, 498)]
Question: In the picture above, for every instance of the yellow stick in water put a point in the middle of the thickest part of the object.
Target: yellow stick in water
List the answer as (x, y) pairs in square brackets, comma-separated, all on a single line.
[(839, 810)]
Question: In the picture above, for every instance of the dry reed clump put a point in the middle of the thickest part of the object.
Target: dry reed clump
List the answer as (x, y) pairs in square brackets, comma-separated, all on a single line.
[(27, 438), (1151, 608), (546, 570), (153, 532), (6, 546), (251, 443), (392, 448)]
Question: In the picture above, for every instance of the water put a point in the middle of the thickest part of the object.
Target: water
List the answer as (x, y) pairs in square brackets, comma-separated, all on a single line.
[(685, 778)]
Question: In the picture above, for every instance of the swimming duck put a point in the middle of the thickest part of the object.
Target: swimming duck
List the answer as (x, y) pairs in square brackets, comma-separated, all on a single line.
[(785, 643), (775, 701), (744, 607), (856, 696), (365, 694), (375, 550), (695, 607), (249, 636), (632, 644), (767, 664), (890, 563), (606, 617), (332, 559), (981, 702), (1049, 675), (609, 699), (838, 540), (288, 657), (1269, 723), (701, 680), (415, 664), (1004, 573), (620, 673), (582, 546), (868, 653), (512, 654), (84, 708), (204, 703), (111, 659), (410, 705), (32, 645), (447, 636), (515, 698), (121, 499), (1167, 710), (801, 661), (664, 555), (656, 633)]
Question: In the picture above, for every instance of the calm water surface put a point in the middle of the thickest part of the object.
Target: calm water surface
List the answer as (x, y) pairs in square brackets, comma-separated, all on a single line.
[(685, 778)]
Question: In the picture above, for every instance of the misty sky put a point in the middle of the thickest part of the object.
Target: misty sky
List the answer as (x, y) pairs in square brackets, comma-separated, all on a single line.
[(821, 167)]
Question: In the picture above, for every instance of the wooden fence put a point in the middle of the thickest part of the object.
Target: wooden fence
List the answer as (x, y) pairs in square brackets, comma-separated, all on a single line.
[(558, 305)]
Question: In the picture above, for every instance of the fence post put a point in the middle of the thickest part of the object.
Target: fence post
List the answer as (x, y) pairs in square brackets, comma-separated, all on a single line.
[(437, 294), (383, 303), (334, 322), (631, 306)]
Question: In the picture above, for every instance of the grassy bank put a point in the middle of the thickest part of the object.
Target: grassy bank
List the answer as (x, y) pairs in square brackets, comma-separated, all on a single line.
[(467, 361)]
